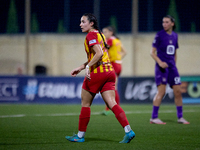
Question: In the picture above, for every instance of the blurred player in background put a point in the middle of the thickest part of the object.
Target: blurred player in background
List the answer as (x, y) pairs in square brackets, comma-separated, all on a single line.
[(116, 53), (163, 51), (99, 77)]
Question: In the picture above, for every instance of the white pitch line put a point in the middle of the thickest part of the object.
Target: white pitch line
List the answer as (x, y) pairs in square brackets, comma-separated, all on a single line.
[(93, 113), (12, 116)]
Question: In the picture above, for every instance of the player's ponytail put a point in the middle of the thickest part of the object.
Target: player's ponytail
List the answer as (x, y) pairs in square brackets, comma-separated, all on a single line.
[(102, 38), (93, 19)]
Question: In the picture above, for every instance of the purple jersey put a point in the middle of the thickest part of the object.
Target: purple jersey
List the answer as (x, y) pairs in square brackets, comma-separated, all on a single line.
[(166, 46)]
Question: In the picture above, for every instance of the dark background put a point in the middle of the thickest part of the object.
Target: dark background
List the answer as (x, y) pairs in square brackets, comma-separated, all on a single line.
[(150, 14)]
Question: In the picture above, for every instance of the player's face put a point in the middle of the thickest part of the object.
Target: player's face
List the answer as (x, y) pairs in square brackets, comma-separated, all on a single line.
[(107, 33), (167, 24), (85, 25)]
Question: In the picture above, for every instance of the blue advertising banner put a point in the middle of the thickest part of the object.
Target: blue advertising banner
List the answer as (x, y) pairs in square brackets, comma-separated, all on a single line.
[(190, 89), (141, 90), (45, 89), (41, 89)]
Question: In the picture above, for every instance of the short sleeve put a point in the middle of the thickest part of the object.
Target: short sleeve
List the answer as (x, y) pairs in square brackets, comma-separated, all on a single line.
[(156, 41), (109, 42), (92, 39)]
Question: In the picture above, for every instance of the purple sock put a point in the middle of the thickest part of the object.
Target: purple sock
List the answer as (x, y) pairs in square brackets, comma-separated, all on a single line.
[(155, 112), (179, 111)]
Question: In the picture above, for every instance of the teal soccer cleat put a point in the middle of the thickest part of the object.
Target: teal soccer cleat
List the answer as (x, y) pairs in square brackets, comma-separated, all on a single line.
[(128, 137), (75, 138), (107, 112)]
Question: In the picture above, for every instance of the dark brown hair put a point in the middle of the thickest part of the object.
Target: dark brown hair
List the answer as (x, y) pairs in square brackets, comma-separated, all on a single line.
[(172, 20), (93, 19), (112, 29)]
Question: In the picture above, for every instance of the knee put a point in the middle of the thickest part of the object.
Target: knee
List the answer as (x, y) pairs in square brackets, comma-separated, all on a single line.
[(160, 94), (111, 104), (85, 104), (177, 93)]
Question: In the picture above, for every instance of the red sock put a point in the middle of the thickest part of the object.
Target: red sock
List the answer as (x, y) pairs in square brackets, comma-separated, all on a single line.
[(120, 115), (84, 118), (117, 97)]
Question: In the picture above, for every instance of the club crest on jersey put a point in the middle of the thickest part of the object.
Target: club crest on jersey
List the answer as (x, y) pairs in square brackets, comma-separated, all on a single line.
[(92, 41), (164, 79), (170, 41)]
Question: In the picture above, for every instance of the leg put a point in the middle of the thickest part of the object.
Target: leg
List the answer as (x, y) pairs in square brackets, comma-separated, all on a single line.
[(178, 100), (117, 67), (179, 104), (109, 103), (84, 116), (157, 100), (156, 104), (86, 98), (159, 95), (109, 98), (177, 95), (116, 97)]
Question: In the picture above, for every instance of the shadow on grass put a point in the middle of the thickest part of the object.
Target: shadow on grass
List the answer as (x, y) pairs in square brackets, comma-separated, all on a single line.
[(31, 143), (170, 121), (90, 139)]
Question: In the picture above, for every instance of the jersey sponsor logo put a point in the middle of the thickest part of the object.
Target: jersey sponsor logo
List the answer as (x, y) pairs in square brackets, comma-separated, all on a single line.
[(177, 80), (92, 41), (164, 79), (170, 50)]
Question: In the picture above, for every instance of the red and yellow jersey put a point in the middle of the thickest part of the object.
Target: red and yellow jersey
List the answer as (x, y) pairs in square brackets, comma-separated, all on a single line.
[(103, 65), (115, 49)]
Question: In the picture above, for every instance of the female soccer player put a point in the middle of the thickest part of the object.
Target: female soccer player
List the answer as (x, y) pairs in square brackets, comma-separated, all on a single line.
[(116, 52), (99, 77), (164, 53)]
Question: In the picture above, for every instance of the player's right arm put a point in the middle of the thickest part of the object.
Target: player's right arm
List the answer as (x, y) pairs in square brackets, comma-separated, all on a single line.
[(157, 59), (97, 56), (75, 71)]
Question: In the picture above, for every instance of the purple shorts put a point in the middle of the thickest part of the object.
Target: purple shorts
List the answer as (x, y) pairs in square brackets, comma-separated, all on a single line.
[(169, 75)]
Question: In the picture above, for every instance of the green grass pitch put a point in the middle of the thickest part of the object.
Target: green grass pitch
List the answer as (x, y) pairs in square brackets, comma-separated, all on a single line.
[(44, 127)]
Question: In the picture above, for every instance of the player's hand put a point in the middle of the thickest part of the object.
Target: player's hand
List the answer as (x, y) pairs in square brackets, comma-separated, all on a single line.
[(163, 65), (87, 73), (74, 72)]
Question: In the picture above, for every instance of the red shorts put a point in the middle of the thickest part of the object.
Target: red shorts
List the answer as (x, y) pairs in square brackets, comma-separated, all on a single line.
[(100, 82), (117, 67)]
